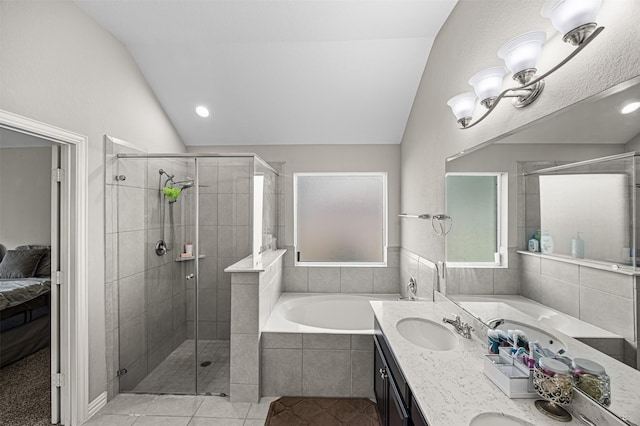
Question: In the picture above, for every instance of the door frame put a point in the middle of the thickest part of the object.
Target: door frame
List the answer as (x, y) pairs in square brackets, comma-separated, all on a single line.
[(74, 330)]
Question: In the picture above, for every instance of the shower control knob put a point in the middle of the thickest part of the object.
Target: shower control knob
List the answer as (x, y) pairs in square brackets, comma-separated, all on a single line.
[(189, 277)]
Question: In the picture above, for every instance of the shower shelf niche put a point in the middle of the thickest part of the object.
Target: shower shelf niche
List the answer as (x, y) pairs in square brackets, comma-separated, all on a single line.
[(184, 259)]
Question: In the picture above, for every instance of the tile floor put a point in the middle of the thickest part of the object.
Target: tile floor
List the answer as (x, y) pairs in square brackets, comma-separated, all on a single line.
[(180, 410), (175, 375)]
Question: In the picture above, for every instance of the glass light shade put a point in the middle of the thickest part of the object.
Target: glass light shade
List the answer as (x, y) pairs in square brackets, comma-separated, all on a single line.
[(631, 107), (522, 52), (566, 15), (488, 82), (463, 105)]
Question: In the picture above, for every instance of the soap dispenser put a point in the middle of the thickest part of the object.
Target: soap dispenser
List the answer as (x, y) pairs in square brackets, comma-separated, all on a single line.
[(577, 247)]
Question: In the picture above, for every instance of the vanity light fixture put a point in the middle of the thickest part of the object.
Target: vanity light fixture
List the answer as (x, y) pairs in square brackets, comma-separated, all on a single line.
[(630, 107), (202, 111), (575, 19)]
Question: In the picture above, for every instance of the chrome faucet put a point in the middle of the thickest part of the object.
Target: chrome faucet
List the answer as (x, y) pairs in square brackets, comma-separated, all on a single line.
[(492, 324), (462, 328), (412, 287)]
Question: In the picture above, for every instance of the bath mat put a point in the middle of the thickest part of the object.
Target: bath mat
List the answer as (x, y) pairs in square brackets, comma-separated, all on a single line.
[(290, 411)]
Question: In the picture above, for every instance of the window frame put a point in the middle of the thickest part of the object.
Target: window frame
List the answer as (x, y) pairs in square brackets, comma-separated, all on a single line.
[(502, 214), (385, 220)]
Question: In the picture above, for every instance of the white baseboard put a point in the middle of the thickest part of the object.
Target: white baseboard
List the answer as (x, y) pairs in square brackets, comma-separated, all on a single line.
[(97, 404)]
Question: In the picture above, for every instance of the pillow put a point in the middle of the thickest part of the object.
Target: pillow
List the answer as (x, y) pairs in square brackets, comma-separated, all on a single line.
[(44, 266), (20, 263)]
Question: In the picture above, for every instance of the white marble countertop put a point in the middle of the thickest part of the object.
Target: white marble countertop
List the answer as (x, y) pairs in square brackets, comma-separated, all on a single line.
[(246, 264), (450, 386)]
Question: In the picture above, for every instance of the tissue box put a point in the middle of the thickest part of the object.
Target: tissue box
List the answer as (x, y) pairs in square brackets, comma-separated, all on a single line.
[(510, 375)]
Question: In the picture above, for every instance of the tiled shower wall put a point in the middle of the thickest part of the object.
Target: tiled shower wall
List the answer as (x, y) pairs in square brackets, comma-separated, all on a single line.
[(145, 294), (224, 219), (226, 203)]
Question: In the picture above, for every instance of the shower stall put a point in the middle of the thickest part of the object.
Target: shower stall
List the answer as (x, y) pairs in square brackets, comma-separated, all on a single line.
[(181, 220)]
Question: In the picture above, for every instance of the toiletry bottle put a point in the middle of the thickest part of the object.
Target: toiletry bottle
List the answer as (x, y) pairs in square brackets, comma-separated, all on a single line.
[(546, 243), (577, 247), (533, 244)]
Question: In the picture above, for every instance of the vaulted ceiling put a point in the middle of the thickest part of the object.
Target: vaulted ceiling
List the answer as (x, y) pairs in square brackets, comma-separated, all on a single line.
[(280, 72)]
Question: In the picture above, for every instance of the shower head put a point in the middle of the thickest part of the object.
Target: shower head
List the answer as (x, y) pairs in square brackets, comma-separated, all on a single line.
[(184, 184), (162, 172)]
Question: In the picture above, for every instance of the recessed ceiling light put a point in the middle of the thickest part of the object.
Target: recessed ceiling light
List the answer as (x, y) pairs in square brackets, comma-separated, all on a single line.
[(202, 111), (629, 108)]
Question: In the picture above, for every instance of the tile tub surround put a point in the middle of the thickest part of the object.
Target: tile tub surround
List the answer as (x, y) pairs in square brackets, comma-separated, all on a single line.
[(423, 270), (253, 290), (599, 296), (342, 279), (329, 365), (450, 386)]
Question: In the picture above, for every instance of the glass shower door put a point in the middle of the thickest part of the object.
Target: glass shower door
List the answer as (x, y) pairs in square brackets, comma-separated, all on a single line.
[(155, 275)]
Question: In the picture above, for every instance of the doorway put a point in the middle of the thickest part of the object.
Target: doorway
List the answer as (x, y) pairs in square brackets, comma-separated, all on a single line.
[(28, 301), (61, 308)]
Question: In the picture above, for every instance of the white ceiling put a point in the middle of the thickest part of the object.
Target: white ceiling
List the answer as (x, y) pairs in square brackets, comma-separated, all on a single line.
[(280, 72)]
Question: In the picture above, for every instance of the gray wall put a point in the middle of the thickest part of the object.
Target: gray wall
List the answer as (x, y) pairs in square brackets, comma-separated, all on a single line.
[(25, 196), (61, 68), (432, 134)]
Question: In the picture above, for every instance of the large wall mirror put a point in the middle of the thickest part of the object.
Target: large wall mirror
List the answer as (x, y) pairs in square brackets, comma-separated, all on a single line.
[(588, 211)]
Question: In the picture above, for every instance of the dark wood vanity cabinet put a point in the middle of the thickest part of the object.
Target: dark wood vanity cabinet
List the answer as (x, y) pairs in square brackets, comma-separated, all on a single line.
[(392, 410), (396, 404)]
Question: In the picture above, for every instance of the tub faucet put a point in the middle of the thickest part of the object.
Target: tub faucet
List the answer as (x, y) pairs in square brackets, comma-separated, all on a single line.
[(492, 324), (412, 287), (462, 328)]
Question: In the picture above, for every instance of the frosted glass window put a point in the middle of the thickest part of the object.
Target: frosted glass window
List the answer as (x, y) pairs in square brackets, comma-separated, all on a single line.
[(340, 218), (473, 203)]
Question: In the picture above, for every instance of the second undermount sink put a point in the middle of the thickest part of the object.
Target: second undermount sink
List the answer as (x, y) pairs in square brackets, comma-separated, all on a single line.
[(497, 419), (427, 334)]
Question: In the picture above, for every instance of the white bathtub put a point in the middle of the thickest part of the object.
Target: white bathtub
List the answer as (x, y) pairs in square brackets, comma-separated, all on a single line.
[(331, 313)]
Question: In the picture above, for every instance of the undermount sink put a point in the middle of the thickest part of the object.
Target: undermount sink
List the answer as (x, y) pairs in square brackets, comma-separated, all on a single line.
[(534, 334), (497, 419), (427, 334)]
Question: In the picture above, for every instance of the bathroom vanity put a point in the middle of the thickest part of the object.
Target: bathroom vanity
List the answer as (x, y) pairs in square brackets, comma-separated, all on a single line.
[(415, 385), (396, 404)]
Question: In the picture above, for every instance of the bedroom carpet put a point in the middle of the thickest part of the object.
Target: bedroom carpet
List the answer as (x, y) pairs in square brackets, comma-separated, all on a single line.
[(290, 411), (26, 393)]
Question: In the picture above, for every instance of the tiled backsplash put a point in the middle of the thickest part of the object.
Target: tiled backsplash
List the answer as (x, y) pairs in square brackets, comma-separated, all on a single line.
[(603, 298), (485, 280)]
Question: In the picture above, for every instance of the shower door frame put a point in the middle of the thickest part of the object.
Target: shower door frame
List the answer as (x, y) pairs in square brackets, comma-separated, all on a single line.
[(195, 157)]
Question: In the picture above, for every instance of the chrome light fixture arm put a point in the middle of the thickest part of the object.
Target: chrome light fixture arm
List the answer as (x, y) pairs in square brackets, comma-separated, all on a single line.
[(535, 84)]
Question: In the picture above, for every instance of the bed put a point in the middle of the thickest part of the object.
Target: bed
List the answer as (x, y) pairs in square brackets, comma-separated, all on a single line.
[(25, 301)]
